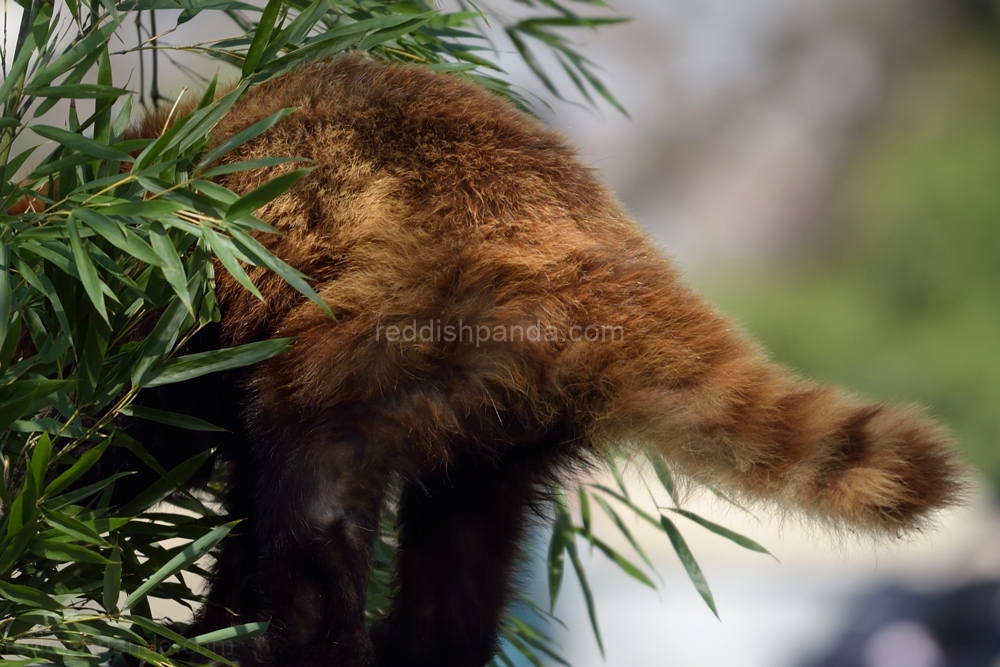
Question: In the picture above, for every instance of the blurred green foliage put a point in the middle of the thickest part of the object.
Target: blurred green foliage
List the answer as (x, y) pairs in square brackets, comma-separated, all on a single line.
[(905, 302)]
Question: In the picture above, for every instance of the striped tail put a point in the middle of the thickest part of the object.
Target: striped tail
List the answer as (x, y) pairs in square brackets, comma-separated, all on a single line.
[(708, 401)]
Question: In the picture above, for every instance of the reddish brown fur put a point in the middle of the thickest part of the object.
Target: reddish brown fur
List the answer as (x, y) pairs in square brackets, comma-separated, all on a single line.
[(435, 200)]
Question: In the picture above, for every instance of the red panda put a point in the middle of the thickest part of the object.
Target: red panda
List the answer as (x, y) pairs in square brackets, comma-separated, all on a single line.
[(499, 318)]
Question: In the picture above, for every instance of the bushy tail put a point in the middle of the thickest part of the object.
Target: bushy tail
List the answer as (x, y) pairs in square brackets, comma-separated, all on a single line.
[(708, 401)]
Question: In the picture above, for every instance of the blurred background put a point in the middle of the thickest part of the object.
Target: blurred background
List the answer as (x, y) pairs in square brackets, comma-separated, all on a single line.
[(828, 172)]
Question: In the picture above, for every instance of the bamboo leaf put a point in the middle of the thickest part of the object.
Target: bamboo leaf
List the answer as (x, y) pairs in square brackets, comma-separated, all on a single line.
[(203, 363), (162, 488), (261, 36), (74, 527), (170, 264), (78, 469), (262, 257), (188, 555), (119, 235), (67, 553), (690, 564), (29, 596), (113, 581), (88, 272), (237, 140), (264, 194), (588, 597), (627, 566), (76, 91), (170, 419), (79, 143), (562, 534), (620, 524), (733, 536), (5, 293)]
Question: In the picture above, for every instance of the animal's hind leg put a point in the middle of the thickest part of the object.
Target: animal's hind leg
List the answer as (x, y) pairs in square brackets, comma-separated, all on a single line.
[(320, 490), (460, 533)]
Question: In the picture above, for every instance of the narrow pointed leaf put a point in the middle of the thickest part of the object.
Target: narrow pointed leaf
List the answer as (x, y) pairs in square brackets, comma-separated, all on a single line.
[(203, 363), (237, 140), (733, 536), (113, 581), (119, 236), (29, 596), (690, 564), (188, 555), (588, 596), (85, 265), (67, 553), (265, 193), (5, 293), (79, 143), (78, 469), (265, 27), (171, 419)]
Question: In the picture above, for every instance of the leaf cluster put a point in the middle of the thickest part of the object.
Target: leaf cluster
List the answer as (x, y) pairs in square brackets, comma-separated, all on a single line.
[(111, 270)]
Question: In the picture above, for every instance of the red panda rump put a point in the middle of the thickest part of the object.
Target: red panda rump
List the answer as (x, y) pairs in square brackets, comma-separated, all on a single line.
[(436, 205), (498, 318)]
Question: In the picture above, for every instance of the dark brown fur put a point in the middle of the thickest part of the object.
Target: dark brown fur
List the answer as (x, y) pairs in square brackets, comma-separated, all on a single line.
[(435, 201)]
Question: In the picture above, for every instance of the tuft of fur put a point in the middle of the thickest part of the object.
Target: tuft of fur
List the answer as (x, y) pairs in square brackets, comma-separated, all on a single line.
[(434, 203)]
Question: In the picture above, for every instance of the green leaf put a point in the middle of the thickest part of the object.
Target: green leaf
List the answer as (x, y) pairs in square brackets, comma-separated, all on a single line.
[(665, 477), (235, 633), (20, 64), (297, 29), (159, 342), (90, 44), (88, 272), (22, 539), (118, 235), (79, 143), (264, 194), (262, 257), (17, 397), (141, 652), (389, 34), (224, 249), (40, 459), (170, 264), (113, 581), (29, 596), (203, 363), (248, 165), (76, 91), (588, 597), (620, 524), (562, 534), (733, 536), (170, 418), (77, 495), (690, 564), (73, 527), (246, 135), (261, 36), (162, 488), (67, 553), (188, 555), (78, 469), (584, 511), (180, 641), (627, 566), (5, 293)]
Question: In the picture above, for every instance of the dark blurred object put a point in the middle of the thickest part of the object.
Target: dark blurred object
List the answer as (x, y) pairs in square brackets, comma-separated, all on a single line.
[(899, 628), (987, 10)]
